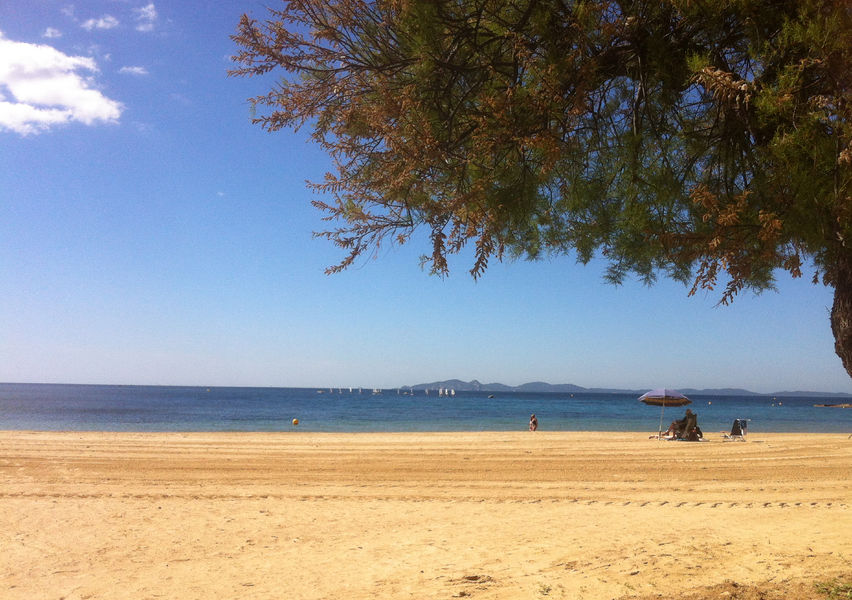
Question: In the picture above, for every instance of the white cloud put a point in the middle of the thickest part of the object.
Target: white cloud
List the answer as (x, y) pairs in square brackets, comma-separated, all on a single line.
[(148, 13), (133, 70), (41, 87), (51, 32), (145, 17), (105, 22)]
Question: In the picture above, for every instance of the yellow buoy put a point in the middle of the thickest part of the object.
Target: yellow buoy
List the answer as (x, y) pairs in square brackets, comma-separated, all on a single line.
[(295, 421)]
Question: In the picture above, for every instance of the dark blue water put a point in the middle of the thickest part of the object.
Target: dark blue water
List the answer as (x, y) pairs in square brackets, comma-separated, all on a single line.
[(152, 408)]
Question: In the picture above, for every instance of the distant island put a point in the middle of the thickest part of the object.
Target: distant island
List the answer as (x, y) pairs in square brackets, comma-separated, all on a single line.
[(539, 387)]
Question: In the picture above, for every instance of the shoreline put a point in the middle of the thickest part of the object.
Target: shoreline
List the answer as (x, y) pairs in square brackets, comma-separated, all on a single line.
[(495, 515)]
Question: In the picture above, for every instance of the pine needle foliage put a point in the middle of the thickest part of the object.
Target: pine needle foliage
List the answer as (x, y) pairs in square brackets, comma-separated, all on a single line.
[(707, 141)]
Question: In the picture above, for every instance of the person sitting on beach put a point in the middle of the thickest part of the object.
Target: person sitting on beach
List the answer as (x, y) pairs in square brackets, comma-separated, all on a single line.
[(688, 428), (533, 422), (684, 429), (677, 428)]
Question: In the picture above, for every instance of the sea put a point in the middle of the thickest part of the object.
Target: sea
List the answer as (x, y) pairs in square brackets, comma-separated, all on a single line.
[(55, 407)]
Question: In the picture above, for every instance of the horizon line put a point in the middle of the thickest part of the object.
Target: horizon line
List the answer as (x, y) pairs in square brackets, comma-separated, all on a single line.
[(512, 388)]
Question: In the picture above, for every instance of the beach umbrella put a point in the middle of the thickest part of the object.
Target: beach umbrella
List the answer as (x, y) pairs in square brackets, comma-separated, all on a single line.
[(663, 397)]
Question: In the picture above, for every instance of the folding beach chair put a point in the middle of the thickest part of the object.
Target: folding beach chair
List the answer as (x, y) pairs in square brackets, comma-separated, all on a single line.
[(739, 430)]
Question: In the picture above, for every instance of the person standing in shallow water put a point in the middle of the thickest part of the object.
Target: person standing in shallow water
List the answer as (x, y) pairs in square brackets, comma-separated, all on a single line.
[(533, 422)]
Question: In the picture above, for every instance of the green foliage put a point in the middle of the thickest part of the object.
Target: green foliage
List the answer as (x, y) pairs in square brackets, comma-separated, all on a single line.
[(835, 590), (697, 140)]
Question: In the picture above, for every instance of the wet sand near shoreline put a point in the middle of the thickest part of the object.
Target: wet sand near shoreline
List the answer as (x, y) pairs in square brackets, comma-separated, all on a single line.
[(420, 515)]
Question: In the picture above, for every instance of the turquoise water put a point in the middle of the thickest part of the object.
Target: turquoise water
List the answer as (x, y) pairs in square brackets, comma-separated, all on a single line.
[(152, 408)]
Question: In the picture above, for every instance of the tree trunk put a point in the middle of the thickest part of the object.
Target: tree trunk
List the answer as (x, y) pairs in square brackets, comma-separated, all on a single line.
[(841, 312)]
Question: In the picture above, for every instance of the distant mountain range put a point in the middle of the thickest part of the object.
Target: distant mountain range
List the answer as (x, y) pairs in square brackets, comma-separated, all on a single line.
[(539, 387)]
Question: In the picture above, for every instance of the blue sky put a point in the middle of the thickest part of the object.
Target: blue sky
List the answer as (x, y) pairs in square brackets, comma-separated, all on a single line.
[(150, 234)]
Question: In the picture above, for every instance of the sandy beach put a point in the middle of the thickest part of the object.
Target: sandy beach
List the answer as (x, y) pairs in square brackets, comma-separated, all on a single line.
[(587, 516)]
